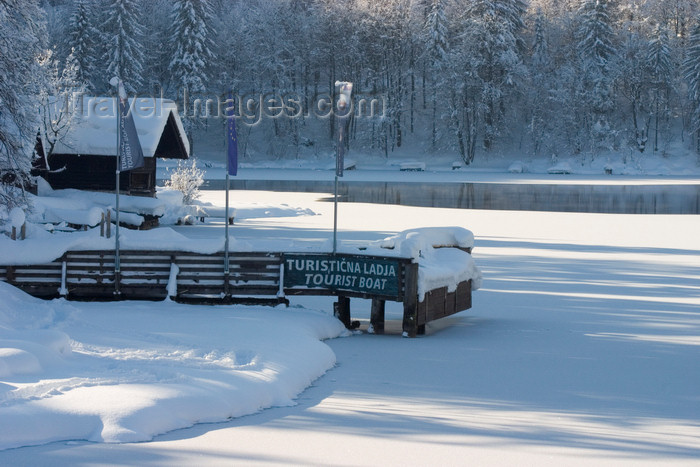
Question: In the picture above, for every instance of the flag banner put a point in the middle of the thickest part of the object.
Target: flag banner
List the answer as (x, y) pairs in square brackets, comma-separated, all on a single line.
[(232, 143), (130, 152), (340, 158)]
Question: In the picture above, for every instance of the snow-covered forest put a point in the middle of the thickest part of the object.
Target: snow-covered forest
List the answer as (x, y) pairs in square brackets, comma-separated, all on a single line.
[(472, 77)]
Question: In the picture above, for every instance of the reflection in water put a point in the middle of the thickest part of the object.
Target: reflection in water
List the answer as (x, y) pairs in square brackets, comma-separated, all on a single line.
[(622, 199)]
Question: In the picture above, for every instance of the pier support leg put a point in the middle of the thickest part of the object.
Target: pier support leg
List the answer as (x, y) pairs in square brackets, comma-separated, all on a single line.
[(341, 310), (376, 319), (410, 302)]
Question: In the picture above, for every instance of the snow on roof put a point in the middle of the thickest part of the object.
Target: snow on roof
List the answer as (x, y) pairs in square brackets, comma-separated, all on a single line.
[(93, 130)]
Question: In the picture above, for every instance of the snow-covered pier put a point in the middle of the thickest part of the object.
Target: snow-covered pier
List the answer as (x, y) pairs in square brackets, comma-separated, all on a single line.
[(430, 271)]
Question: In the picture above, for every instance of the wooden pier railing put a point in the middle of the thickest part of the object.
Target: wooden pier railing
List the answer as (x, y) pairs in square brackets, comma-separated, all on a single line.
[(155, 275)]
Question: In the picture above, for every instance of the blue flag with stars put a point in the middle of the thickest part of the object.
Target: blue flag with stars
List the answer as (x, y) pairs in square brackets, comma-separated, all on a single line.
[(232, 142)]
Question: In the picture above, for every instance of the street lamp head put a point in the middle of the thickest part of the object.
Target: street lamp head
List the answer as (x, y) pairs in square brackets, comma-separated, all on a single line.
[(345, 89)]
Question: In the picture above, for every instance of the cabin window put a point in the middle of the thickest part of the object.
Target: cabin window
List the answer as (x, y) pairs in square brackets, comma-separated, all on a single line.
[(139, 181)]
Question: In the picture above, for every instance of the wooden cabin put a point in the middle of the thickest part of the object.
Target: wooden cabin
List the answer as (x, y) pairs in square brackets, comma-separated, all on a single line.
[(84, 157)]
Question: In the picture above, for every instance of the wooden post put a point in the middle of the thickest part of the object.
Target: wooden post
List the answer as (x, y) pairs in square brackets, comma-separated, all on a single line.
[(102, 225), (227, 284), (376, 319), (14, 233), (117, 284), (109, 224), (63, 291), (410, 301), (23, 231), (341, 310)]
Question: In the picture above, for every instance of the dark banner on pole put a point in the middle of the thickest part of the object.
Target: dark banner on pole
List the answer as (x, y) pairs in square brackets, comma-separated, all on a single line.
[(232, 143), (130, 152), (340, 159)]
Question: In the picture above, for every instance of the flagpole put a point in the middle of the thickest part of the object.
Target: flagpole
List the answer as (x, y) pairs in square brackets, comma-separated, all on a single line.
[(230, 140), (128, 142), (228, 182), (117, 262), (335, 193)]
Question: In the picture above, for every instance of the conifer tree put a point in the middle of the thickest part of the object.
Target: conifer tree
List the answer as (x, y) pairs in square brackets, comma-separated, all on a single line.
[(596, 43), (691, 71), (83, 42), (124, 54), (660, 65), (493, 35), (192, 44), (541, 79), (436, 48), (596, 49)]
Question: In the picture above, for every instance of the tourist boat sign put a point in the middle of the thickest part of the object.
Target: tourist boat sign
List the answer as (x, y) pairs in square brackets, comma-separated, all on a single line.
[(351, 273)]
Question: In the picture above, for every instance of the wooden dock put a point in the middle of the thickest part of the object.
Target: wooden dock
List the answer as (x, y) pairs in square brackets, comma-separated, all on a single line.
[(252, 277)]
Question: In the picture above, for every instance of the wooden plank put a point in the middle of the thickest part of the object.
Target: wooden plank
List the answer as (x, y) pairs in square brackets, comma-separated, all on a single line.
[(464, 296), (23, 275), (255, 277), (450, 303), (410, 301), (436, 307), (200, 262)]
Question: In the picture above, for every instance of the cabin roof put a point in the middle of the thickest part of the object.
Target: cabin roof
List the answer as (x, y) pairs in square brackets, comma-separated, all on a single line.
[(93, 129)]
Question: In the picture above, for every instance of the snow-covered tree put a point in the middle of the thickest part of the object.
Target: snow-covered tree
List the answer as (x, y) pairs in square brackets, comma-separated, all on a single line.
[(541, 73), (436, 45), (187, 179), (157, 51), (493, 46), (691, 71), (22, 38), (596, 43), (660, 66), (83, 41), (59, 101), (192, 44), (597, 50), (124, 54), (633, 84)]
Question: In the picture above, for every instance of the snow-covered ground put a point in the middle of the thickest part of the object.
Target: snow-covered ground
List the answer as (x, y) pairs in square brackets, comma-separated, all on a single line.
[(581, 349)]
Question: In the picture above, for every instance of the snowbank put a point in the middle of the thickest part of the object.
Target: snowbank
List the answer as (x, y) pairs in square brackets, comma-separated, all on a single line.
[(44, 247), (440, 264), (114, 381), (411, 242)]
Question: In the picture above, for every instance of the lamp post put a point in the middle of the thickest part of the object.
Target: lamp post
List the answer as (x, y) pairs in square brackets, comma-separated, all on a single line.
[(343, 108)]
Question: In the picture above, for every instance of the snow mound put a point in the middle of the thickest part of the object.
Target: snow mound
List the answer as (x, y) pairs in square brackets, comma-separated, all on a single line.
[(23, 348), (17, 217), (91, 216), (517, 167), (439, 252), (411, 242), (446, 267), (560, 168), (115, 382)]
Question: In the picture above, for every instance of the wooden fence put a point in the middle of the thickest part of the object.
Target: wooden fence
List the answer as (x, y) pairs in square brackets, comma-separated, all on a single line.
[(155, 275)]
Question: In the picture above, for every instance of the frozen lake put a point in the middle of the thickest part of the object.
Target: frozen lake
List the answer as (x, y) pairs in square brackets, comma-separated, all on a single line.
[(564, 197)]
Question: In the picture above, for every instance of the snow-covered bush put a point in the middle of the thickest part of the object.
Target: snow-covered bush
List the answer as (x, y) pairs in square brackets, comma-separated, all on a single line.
[(187, 179)]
